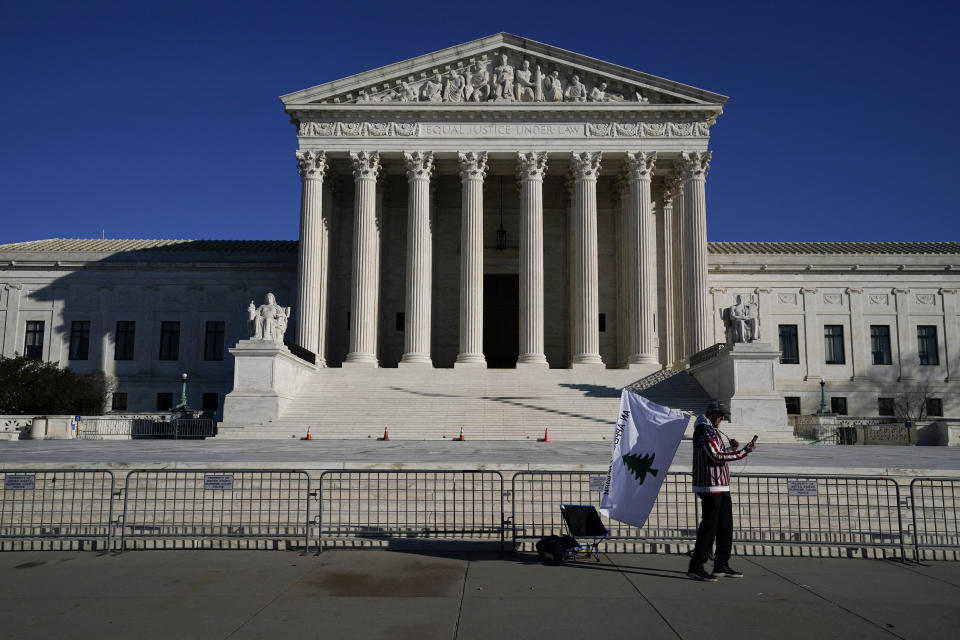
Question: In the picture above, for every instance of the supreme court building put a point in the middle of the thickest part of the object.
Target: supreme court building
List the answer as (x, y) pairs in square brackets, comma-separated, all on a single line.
[(500, 234)]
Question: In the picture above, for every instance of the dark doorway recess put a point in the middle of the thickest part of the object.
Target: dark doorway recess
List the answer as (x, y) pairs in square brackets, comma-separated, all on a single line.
[(501, 320)]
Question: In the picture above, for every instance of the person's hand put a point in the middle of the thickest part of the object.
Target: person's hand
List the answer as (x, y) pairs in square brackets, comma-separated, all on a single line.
[(734, 443), (750, 446)]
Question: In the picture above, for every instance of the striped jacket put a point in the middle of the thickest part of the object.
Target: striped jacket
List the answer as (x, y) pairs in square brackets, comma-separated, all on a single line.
[(710, 457)]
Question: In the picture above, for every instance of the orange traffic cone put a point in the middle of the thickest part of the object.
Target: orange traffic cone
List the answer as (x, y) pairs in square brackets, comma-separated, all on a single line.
[(546, 435), (308, 436), (386, 434), (461, 438)]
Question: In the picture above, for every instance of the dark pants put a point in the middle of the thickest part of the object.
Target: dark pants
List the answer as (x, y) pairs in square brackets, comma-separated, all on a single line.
[(716, 524)]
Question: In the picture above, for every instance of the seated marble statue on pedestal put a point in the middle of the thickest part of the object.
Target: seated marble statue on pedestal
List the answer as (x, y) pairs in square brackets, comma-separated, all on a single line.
[(741, 323), (268, 321)]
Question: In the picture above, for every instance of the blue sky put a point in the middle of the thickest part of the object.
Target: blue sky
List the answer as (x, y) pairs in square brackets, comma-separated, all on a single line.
[(162, 119)]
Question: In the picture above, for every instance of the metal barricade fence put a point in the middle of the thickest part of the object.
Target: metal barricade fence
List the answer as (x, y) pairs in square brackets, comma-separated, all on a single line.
[(73, 506), (936, 523), (770, 509), (817, 511), (537, 496), (394, 505), (201, 506)]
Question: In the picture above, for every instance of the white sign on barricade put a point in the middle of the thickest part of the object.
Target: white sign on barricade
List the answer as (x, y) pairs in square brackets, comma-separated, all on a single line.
[(596, 483), (802, 488), (21, 482), (219, 482)]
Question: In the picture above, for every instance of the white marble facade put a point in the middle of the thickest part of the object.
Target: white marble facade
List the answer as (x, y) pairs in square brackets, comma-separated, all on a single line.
[(598, 176)]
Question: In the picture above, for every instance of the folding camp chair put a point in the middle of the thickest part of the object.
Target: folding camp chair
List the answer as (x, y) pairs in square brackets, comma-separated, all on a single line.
[(583, 521)]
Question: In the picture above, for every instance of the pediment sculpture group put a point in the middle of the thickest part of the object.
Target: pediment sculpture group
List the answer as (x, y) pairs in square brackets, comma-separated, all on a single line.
[(476, 83), (267, 322)]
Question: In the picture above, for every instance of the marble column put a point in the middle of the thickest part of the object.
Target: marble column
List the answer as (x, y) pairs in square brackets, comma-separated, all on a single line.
[(951, 335), (695, 166), (586, 309), (679, 276), (642, 271), (473, 169), (621, 213), (417, 316), (668, 347), (328, 216), (812, 334), (860, 358), (532, 167), (907, 356), (311, 251), (364, 279)]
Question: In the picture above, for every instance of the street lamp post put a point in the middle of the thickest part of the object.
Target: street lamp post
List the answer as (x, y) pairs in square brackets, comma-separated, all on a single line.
[(183, 394), (823, 398)]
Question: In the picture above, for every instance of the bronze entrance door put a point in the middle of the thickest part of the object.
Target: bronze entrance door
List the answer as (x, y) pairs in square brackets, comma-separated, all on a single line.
[(501, 320)]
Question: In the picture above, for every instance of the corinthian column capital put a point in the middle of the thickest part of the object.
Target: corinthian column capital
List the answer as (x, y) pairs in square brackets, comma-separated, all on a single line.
[(312, 165), (640, 164), (695, 164), (585, 165), (366, 164), (531, 164), (419, 164), (473, 165)]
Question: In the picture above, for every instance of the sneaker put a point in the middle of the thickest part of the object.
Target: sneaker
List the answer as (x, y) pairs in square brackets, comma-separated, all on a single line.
[(726, 572), (699, 573)]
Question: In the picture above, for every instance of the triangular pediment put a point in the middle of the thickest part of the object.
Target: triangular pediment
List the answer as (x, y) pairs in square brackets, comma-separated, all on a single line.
[(503, 68)]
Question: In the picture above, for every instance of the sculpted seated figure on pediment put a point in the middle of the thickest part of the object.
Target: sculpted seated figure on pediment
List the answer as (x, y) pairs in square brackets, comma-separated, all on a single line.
[(268, 321)]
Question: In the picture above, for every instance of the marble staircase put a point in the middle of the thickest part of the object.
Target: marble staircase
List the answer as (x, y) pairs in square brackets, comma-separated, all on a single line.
[(489, 404)]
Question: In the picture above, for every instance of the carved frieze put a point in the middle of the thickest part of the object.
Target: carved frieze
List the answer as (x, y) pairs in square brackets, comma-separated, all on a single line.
[(832, 298), (925, 298), (879, 298), (510, 130), (787, 298)]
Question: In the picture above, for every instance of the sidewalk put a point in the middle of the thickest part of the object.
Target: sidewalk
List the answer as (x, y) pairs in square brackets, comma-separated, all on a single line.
[(445, 454), (382, 594)]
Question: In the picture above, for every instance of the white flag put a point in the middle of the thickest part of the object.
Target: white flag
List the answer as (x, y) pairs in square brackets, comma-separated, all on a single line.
[(645, 440)]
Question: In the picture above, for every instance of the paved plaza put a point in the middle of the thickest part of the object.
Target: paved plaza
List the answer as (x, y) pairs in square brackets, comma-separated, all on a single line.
[(445, 454), (389, 594)]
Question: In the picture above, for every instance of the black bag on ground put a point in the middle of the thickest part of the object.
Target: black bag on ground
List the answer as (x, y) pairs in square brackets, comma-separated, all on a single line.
[(555, 549)]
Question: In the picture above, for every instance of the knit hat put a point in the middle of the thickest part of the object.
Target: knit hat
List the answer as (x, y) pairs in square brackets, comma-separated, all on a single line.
[(716, 408)]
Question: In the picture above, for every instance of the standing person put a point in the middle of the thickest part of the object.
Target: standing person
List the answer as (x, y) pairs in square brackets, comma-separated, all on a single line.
[(711, 483)]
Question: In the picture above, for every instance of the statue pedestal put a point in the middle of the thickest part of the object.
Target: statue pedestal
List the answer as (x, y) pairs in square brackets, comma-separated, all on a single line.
[(743, 377), (266, 377)]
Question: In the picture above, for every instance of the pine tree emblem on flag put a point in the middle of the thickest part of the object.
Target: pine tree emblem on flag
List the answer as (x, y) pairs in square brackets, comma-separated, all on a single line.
[(640, 465)]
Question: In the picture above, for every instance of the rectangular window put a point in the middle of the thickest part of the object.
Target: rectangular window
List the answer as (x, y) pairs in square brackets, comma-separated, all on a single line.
[(169, 340), (79, 339), (602, 322), (33, 340), (164, 401), (119, 401), (833, 343), (210, 402), (885, 407), (935, 407), (123, 348), (838, 405), (213, 340), (401, 321), (789, 348), (793, 405), (927, 344), (880, 343)]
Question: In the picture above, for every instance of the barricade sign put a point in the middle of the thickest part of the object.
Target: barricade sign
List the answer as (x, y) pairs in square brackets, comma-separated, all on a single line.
[(596, 483), (219, 482), (802, 488), (22, 482)]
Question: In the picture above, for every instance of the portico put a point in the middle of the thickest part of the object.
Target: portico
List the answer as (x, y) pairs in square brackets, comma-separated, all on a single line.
[(513, 157)]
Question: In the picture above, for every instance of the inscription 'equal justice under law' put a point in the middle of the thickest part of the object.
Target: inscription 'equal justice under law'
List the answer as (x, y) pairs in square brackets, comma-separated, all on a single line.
[(502, 129)]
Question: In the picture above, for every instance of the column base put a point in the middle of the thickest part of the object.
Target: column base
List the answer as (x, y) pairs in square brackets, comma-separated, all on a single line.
[(470, 360), (532, 359), (360, 360), (587, 362), (533, 364), (642, 360), (418, 361)]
